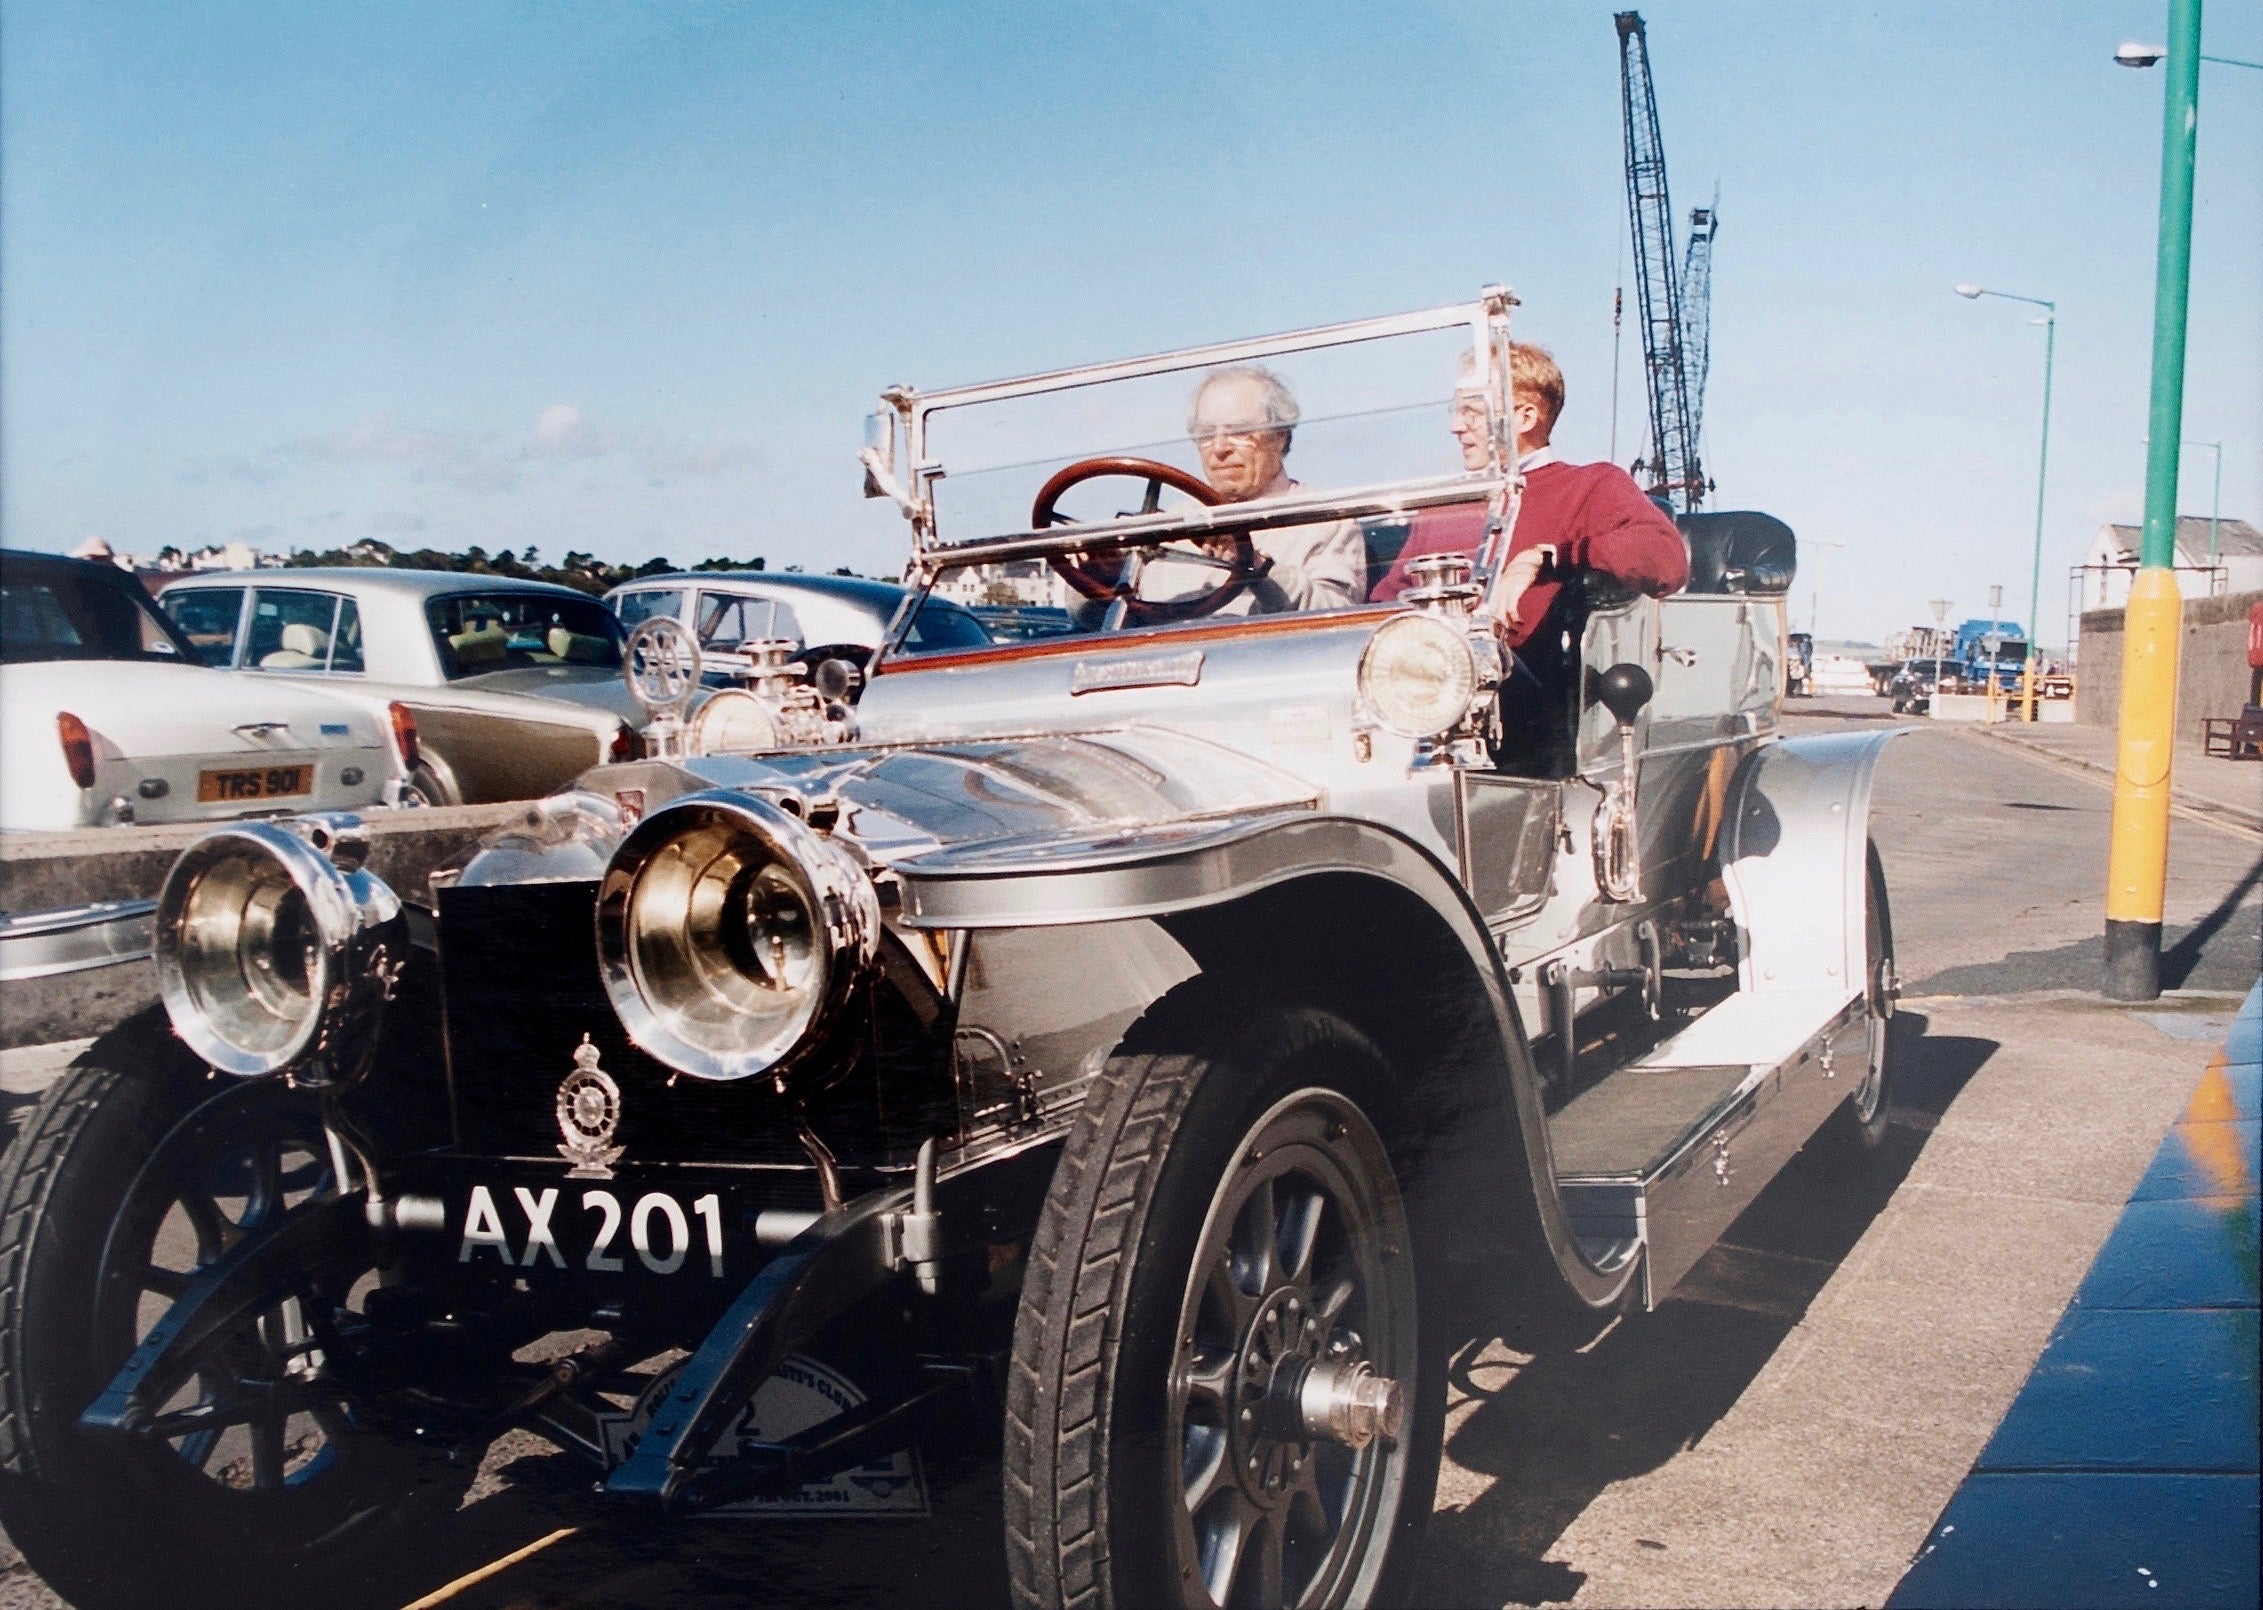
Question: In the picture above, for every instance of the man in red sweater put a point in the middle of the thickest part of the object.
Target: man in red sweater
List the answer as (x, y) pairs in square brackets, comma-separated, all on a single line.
[(1573, 516)]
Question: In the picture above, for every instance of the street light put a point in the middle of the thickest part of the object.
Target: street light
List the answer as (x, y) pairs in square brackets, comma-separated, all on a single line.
[(2132, 54), (2050, 323)]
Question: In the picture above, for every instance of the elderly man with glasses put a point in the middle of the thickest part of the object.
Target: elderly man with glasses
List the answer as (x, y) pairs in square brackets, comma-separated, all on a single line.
[(1242, 420)]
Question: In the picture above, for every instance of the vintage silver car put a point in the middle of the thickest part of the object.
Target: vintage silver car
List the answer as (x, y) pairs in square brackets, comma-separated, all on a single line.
[(1130, 1041), (504, 687)]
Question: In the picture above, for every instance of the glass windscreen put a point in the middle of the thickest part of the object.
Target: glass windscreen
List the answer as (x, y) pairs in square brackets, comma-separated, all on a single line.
[(1370, 414), (481, 632)]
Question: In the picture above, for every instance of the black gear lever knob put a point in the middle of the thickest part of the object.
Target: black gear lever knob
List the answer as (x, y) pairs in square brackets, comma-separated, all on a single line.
[(1623, 690)]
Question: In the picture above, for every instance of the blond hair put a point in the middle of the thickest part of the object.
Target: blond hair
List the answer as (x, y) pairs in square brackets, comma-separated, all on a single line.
[(1533, 377)]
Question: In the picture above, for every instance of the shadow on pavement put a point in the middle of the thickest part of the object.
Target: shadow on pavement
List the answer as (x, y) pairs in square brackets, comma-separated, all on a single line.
[(2223, 951), (1598, 1405)]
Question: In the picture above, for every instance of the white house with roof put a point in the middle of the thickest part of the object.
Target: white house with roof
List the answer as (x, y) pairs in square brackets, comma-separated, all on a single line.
[(2212, 556)]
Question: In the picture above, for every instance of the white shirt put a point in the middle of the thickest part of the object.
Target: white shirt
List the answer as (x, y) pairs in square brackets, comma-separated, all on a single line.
[(1318, 566)]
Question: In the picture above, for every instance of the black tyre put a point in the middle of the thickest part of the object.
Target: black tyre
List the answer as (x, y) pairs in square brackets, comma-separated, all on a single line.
[(1228, 1380), (118, 1188)]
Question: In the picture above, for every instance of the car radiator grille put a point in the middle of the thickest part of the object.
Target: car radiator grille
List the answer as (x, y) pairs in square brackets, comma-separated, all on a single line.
[(519, 968)]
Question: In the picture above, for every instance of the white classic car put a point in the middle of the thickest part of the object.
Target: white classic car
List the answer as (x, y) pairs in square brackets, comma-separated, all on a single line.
[(505, 687), (823, 617), (106, 717)]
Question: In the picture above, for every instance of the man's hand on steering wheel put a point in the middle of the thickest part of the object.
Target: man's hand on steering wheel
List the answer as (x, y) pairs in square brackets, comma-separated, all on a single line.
[(1234, 554)]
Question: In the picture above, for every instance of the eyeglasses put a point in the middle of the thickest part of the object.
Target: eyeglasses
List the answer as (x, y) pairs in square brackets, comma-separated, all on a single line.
[(1235, 431), (1470, 411)]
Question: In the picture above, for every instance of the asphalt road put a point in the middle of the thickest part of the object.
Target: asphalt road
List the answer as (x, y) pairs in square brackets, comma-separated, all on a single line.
[(1782, 1432)]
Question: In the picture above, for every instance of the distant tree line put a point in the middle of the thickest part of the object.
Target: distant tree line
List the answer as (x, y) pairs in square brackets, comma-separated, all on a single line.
[(577, 569)]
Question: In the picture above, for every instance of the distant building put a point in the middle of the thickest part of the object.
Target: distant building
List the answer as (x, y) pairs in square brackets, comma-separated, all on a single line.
[(2102, 579), (1017, 581)]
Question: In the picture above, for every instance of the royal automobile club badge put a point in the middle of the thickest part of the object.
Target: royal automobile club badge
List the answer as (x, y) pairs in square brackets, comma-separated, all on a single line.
[(589, 1110)]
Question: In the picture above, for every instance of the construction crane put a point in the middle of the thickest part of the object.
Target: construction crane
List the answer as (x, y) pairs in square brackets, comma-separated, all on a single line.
[(1697, 307), (1667, 294)]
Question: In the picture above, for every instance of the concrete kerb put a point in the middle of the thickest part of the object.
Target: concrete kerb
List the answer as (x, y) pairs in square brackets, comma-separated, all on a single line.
[(2194, 807), (41, 871)]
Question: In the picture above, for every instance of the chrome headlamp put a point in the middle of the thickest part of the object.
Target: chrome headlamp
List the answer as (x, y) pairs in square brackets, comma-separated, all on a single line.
[(1420, 675), (275, 949), (730, 933)]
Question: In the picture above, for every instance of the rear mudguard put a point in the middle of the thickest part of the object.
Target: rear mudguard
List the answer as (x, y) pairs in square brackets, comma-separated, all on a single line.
[(1794, 861)]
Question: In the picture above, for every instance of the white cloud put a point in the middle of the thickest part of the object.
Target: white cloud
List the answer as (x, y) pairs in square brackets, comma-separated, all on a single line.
[(564, 431), (666, 461), (431, 455)]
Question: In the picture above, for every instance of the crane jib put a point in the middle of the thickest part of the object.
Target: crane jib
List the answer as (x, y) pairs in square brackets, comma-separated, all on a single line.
[(1673, 299)]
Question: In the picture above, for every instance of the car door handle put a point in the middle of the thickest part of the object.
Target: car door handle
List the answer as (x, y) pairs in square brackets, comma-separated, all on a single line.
[(263, 729), (1684, 657)]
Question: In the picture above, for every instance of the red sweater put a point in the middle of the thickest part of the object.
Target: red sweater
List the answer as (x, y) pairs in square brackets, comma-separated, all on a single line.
[(1595, 516)]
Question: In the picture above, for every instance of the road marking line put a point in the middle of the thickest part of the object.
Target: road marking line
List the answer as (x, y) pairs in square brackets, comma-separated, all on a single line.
[(492, 1568), (2220, 819)]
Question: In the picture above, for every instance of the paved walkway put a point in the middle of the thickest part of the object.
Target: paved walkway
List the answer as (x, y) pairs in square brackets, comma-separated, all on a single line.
[(2225, 788), (2125, 1472)]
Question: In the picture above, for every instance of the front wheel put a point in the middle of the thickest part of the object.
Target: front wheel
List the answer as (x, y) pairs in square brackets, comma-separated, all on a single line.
[(122, 1186), (1228, 1385)]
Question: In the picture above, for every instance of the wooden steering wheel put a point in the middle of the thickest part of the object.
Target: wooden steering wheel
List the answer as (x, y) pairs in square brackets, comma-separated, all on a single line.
[(1091, 578)]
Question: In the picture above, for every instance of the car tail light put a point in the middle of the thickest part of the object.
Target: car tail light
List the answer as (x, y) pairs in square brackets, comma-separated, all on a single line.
[(625, 745), (404, 734), (78, 748)]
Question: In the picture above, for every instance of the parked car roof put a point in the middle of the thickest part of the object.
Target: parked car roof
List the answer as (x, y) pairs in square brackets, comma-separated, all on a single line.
[(376, 578), (31, 631)]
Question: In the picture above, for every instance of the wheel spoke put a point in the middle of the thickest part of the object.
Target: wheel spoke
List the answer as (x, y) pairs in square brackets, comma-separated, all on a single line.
[(165, 1282), (1263, 1556), (1222, 1549), (1260, 1228), (1300, 1229), (196, 1448), (1306, 1512), (1209, 1381), (215, 1231), (267, 1450), (1214, 1472), (266, 1194), (1225, 1290), (1331, 1304)]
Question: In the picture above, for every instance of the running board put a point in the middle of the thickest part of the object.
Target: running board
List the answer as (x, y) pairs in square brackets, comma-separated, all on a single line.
[(1757, 1076)]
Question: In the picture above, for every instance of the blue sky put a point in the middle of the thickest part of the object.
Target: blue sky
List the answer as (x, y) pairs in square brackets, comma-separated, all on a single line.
[(625, 277)]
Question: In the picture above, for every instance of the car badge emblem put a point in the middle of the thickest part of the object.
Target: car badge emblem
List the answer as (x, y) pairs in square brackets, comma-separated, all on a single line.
[(589, 1110)]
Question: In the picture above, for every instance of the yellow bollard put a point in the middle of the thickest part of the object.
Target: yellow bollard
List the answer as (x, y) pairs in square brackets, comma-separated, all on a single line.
[(2137, 866)]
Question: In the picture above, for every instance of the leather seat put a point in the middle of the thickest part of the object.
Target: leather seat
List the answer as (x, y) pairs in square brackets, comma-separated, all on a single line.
[(304, 648), (1739, 551)]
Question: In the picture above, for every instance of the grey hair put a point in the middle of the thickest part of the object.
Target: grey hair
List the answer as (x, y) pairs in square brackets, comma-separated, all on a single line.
[(1279, 405)]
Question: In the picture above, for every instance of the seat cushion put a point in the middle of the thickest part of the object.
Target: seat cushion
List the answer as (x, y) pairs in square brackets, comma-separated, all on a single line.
[(1739, 551), (482, 645)]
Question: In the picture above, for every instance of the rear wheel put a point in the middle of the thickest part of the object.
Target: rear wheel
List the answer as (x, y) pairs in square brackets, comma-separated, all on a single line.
[(122, 1186), (1228, 1385), (1866, 1109)]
